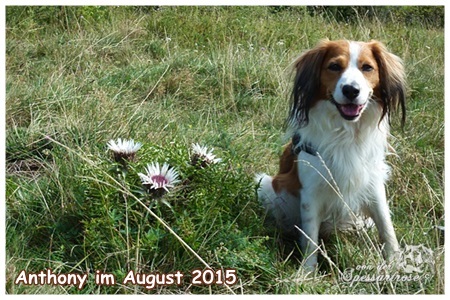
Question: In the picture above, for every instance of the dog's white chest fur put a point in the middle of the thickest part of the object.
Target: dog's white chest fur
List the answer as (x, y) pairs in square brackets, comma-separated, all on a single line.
[(350, 163)]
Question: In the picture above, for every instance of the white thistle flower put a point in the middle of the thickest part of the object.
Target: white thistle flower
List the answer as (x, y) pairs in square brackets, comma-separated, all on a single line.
[(157, 177), (124, 150), (202, 156), (124, 147)]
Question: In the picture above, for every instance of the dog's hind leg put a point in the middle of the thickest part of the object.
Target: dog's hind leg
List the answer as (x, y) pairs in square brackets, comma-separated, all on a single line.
[(282, 206)]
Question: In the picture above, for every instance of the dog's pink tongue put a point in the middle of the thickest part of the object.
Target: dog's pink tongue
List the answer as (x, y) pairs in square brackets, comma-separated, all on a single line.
[(351, 110)]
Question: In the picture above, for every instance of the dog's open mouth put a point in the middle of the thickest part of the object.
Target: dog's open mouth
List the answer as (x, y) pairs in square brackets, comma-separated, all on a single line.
[(349, 111)]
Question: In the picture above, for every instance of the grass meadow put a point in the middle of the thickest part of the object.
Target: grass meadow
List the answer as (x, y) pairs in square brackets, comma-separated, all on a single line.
[(168, 77)]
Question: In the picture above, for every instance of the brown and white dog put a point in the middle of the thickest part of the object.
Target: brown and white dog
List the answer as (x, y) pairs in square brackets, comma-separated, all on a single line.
[(334, 170)]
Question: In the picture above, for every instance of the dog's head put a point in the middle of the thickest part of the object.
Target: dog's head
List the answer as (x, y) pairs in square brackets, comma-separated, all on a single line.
[(349, 75)]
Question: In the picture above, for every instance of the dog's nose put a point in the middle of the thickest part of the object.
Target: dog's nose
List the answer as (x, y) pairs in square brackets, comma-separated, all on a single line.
[(351, 91)]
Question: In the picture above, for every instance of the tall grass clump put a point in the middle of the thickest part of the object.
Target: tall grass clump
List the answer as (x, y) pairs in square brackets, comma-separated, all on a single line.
[(219, 77)]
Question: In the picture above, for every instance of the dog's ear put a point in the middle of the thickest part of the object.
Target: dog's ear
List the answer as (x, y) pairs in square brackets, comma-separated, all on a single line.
[(307, 82), (392, 89)]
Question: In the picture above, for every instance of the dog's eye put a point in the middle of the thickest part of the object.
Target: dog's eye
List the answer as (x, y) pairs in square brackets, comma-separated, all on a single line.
[(367, 68), (334, 67)]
